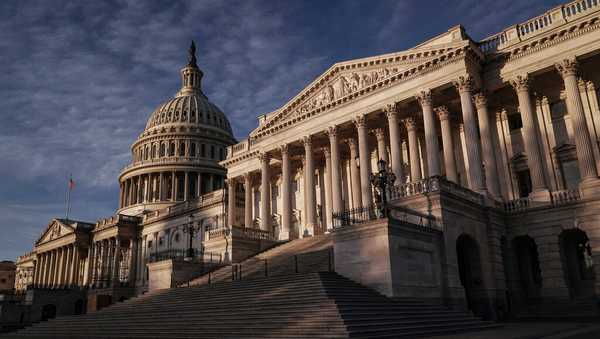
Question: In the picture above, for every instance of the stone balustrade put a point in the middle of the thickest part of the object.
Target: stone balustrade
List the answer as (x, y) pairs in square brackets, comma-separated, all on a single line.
[(558, 198), (539, 24)]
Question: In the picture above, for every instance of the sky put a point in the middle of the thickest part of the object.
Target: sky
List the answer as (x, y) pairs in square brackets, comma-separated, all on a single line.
[(79, 79)]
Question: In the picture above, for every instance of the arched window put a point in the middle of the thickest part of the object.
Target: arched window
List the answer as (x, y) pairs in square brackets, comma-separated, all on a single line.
[(172, 149), (193, 149), (221, 154), (203, 150), (162, 150), (181, 149), (153, 151), (146, 153), (212, 151)]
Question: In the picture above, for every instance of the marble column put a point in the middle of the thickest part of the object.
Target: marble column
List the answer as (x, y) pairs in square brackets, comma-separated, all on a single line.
[(116, 257), (173, 186), (354, 173), (265, 190), (328, 195), (211, 182), (52, 268), (160, 186), (475, 174), (309, 188), (431, 138), (413, 149), (186, 186), (230, 202), (199, 184), (568, 69), (364, 156), (395, 142), (381, 146), (487, 145), (248, 220), (130, 192), (530, 138), (286, 203), (336, 182), (447, 145), (73, 270)]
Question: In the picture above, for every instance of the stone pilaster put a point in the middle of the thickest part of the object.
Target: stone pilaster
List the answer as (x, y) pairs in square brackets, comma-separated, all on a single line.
[(487, 145), (395, 142), (265, 192), (585, 157), (413, 149), (431, 138), (530, 139), (447, 145), (336, 182), (464, 84)]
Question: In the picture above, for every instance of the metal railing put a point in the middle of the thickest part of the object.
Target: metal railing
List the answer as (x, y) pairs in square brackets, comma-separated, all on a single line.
[(397, 213), (355, 216)]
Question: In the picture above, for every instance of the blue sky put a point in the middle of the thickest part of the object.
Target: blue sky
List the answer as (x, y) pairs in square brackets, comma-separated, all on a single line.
[(80, 78)]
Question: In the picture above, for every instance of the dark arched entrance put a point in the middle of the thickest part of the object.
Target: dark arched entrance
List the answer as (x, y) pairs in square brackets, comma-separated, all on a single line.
[(576, 253), (528, 263), (470, 272), (48, 312)]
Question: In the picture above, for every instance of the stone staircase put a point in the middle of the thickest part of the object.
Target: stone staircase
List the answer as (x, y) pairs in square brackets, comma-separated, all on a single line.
[(319, 305), (305, 255)]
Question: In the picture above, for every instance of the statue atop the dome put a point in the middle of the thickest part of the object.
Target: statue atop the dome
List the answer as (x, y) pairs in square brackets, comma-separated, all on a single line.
[(192, 55)]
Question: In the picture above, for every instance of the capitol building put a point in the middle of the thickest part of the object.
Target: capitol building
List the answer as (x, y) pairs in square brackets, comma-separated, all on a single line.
[(460, 172)]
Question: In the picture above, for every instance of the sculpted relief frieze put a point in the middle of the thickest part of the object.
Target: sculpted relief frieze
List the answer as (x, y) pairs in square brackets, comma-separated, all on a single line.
[(343, 85)]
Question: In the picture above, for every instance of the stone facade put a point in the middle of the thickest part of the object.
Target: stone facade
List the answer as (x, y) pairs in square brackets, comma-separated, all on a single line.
[(7, 276), (494, 143)]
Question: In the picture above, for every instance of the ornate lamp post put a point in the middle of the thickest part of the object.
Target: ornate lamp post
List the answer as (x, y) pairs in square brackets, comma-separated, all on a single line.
[(192, 229), (381, 180)]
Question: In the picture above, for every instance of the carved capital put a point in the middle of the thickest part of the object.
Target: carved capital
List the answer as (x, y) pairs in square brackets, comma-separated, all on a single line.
[(442, 112), (332, 131), (520, 83), (410, 123), (307, 141), (480, 99), (284, 148), (424, 98), (379, 133), (351, 143), (325, 151), (567, 67), (360, 120), (501, 115), (390, 111), (464, 84), (263, 157)]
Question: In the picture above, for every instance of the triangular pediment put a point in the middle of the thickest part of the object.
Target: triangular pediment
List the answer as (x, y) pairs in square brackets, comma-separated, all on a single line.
[(55, 229), (346, 78)]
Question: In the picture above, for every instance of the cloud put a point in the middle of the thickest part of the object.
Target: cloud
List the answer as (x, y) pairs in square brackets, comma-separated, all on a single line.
[(79, 83)]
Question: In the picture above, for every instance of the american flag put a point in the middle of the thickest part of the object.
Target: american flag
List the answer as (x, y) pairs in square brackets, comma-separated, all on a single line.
[(71, 183)]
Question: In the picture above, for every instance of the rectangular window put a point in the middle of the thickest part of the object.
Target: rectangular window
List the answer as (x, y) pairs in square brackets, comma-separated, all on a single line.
[(570, 174), (524, 181)]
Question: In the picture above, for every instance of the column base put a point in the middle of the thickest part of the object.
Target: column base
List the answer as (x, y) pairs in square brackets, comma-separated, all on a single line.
[(590, 187), (541, 195)]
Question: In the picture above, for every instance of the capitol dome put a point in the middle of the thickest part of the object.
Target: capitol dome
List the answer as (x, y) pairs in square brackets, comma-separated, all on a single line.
[(176, 158)]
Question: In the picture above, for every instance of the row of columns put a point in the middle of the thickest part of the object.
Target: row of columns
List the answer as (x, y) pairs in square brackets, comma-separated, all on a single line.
[(164, 186), (105, 260), (481, 164), (57, 268)]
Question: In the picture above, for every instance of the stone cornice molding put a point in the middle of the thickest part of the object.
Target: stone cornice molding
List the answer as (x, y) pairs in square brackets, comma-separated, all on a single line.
[(276, 124), (442, 112), (520, 83), (567, 67)]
